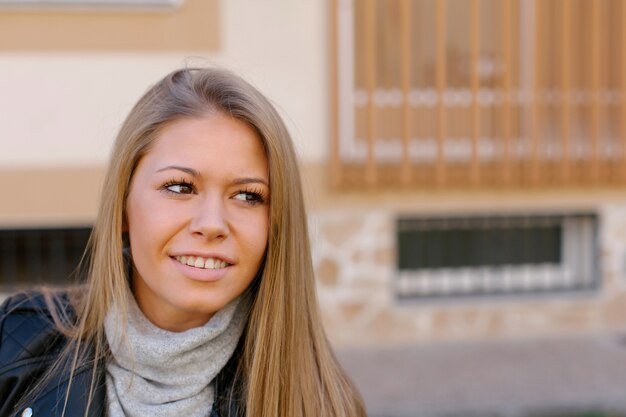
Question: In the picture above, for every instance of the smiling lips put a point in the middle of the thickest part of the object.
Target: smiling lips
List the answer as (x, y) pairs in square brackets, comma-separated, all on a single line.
[(200, 262)]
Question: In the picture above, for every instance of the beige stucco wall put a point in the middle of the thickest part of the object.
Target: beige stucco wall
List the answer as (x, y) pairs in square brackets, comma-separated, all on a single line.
[(62, 106)]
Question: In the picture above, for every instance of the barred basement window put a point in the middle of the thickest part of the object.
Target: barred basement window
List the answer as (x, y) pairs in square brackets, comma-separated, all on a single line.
[(40, 256), (440, 257)]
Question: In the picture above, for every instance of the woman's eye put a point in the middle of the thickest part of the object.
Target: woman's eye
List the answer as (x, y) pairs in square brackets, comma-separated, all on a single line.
[(248, 197), (179, 188)]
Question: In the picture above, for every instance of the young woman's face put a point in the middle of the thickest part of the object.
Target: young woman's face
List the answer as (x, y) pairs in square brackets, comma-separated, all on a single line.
[(197, 216)]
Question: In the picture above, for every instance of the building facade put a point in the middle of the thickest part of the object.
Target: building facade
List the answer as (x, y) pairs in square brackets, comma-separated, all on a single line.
[(415, 128)]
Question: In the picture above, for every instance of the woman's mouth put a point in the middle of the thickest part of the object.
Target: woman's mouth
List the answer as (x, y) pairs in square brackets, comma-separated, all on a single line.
[(202, 263)]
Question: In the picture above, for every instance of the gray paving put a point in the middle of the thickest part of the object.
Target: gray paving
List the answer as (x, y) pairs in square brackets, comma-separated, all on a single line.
[(508, 379)]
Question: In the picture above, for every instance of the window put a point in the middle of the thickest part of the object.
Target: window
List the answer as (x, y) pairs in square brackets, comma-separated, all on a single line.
[(440, 257), (451, 93), (40, 256)]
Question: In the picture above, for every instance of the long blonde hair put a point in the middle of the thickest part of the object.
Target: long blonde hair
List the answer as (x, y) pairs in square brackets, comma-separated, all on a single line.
[(287, 367)]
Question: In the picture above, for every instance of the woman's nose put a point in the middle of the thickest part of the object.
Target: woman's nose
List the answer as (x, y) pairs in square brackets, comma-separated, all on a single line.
[(209, 219)]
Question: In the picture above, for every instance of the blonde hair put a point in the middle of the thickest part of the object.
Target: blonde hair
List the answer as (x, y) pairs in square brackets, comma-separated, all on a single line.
[(286, 367)]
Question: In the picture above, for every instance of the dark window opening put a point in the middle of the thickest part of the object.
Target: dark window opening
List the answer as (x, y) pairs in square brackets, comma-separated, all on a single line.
[(496, 255), (40, 256), (458, 247)]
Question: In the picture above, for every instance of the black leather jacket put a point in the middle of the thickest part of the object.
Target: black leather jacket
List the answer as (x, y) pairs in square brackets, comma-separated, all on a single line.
[(30, 343)]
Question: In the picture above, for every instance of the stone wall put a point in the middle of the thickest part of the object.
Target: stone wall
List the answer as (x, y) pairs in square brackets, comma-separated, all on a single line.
[(354, 259)]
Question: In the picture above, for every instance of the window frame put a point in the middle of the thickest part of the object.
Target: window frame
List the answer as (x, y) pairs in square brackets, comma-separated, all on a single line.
[(578, 270)]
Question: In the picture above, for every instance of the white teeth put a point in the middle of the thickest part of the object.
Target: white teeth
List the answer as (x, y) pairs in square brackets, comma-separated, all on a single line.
[(200, 262), (210, 263)]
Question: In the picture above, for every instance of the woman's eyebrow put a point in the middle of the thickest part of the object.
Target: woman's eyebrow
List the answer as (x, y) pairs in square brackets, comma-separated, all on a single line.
[(189, 171), (250, 180)]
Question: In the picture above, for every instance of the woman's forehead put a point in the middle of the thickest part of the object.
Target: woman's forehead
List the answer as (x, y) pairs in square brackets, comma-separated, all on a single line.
[(209, 144)]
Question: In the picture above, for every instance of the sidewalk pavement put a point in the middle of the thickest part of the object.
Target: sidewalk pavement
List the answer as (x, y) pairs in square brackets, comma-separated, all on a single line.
[(494, 379)]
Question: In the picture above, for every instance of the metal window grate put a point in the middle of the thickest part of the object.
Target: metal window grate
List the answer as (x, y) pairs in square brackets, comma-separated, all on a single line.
[(450, 94), (40, 256), (441, 257)]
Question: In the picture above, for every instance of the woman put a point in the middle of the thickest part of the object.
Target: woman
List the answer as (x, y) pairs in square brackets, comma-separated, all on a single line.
[(200, 296)]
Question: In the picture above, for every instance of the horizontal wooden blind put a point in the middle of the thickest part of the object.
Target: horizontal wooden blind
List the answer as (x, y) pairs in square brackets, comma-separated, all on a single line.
[(449, 93)]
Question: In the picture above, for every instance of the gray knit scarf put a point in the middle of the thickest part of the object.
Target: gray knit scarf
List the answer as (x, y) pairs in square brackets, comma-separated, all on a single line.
[(162, 373)]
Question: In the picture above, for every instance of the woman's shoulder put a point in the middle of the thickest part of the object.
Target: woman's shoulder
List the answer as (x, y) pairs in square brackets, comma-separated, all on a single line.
[(31, 343), (27, 327), (30, 301)]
